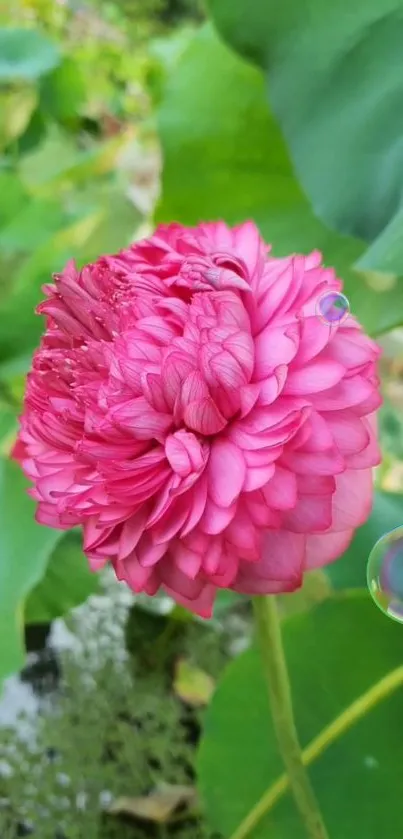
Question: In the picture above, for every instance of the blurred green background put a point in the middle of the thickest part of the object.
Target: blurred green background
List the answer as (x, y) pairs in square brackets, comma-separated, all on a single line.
[(113, 116)]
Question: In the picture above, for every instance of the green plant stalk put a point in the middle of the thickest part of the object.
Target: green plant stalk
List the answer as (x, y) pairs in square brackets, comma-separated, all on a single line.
[(275, 668)]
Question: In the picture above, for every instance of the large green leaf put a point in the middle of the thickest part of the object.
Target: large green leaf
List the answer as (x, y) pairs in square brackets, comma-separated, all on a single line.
[(350, 570), (224, 157), (25, 547), (386, 252), (336, 85), (336, 653), (25, 54), (67, 582)]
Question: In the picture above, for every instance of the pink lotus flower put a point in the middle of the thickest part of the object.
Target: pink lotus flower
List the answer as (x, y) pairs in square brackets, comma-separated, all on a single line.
[(191, 411)]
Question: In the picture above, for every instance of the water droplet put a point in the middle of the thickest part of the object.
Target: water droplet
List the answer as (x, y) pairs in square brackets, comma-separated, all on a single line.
[(385, 574), (332, 307), (371, 762)]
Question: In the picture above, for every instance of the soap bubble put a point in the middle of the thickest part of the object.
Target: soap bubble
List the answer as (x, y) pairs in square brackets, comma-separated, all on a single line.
[(385, 574), (332, 307)]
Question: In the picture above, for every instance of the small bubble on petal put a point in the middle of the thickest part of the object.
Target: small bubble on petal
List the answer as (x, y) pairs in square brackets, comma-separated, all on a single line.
[(332, 307)]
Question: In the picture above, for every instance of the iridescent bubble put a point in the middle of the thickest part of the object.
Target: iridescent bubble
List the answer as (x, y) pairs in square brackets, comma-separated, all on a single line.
[(332, 307), (385, 574)]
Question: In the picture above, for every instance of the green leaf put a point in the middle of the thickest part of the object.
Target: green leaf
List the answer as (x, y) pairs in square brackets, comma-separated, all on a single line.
[(164, 54), (62, 92), (21, 327), (25, 547), (336, 85), (16, 109), (390, 422), (25, 54), (336, 653), (350, 570), (34, 134), (386, 252), (56, 154), (12, 196), (117, 225), (224, 157), (8, 425), (15, 368), (192, 685), (108, 222), (32, 226), (67, 582), (102, 220), (58, 163)]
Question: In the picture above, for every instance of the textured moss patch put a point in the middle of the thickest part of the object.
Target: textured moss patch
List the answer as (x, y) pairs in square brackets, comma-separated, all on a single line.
[(113, 730)]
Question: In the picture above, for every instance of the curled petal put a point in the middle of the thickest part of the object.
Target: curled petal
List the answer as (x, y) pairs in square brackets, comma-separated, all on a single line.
[(227, 472)]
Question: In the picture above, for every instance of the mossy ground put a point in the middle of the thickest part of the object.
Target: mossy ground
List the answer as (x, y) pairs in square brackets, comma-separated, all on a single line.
[(116, 729), (110, 723)]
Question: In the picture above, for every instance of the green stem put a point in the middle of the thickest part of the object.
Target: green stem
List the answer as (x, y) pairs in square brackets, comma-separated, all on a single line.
[(269, 632)]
